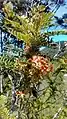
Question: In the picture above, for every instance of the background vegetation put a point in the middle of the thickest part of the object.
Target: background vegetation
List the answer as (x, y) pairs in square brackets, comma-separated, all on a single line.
[(32, 86)]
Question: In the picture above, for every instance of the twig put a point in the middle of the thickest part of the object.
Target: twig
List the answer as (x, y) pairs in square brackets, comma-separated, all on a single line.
[(56, 115)]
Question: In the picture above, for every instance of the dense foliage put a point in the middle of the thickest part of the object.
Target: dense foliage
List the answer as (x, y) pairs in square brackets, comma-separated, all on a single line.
[(30, 97), (27, 29)]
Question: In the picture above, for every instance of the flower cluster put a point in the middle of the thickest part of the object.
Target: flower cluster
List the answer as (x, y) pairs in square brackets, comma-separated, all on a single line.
[(42, 64), (34, 68), (20, 93)]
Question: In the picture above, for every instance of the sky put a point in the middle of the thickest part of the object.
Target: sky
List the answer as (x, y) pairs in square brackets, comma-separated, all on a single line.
[(62, 10)]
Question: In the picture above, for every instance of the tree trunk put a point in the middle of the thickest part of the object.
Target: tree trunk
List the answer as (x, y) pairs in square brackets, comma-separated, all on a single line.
[(1, 83)]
